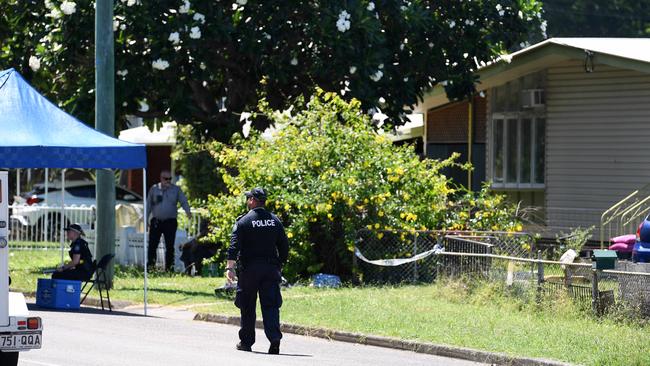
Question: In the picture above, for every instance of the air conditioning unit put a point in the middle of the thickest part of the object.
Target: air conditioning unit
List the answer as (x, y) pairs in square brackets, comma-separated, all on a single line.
[(533, 98)]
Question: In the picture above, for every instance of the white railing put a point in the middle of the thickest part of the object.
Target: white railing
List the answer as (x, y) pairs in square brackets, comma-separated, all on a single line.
[(624, 216), (43, 224), (39, 227)]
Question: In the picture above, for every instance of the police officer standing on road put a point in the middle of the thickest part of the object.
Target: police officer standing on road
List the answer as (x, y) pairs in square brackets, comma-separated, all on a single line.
[(162, 203), (260, 244)]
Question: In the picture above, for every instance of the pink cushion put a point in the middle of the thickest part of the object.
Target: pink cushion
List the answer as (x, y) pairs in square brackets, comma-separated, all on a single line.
[(627, 239), (622, 247)]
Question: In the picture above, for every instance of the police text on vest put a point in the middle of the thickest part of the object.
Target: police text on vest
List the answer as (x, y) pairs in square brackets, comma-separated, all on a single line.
[(263, 223)]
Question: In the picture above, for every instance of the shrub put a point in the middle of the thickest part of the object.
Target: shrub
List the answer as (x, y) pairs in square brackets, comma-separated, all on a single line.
[(329, 174), (199, 169)]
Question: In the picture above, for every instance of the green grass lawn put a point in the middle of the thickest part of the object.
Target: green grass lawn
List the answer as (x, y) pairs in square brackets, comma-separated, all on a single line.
[(443, 313)]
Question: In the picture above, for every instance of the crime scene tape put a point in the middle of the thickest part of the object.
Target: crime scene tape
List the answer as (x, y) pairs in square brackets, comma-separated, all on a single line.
[(397, 261)]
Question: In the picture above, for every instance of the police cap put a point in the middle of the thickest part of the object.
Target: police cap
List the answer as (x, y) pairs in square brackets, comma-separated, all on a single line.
[(257, 193), (74, 227)]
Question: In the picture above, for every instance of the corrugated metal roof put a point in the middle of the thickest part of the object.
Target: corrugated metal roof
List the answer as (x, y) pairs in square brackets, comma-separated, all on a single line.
[(630, 48)]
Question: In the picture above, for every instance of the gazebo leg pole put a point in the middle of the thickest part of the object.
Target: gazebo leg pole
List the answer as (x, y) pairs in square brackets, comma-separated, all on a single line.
[(62, 219), (146, 241)]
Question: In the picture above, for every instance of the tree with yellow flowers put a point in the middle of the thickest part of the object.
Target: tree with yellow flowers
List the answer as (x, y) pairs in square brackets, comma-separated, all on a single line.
[(330, 174)]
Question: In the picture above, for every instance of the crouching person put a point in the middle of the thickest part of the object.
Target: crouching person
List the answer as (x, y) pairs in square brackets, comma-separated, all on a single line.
[(80, 267)]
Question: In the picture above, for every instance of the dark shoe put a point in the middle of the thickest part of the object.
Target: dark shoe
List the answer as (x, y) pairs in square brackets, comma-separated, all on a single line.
[(275, 348), (243, 347)]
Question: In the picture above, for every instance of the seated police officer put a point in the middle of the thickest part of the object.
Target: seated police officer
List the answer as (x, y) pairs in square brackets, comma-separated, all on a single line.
[(81, 260), (260, 244)]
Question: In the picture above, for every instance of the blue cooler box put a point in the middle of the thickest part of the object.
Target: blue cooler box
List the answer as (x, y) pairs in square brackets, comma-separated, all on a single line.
[(58, 294)]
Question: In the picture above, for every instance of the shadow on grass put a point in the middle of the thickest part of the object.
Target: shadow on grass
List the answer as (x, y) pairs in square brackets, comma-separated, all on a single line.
[(168, 291)]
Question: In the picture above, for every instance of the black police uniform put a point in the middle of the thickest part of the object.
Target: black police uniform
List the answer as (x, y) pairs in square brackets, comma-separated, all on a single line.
[(260, 244), (83, 271)]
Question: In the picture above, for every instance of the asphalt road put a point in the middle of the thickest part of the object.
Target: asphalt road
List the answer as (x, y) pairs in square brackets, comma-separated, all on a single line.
[(170, 337)]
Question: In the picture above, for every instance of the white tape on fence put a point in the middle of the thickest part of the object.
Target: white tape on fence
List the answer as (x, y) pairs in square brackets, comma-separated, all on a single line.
[(397, 261)]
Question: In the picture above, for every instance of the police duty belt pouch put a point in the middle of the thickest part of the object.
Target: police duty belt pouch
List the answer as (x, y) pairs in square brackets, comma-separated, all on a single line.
[(58, 294)]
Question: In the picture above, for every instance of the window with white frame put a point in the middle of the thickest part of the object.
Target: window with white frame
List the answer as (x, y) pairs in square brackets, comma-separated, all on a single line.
[(518, 148)]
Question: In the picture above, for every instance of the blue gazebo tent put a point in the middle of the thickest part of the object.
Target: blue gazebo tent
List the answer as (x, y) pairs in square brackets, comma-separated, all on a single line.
[(38, 134)]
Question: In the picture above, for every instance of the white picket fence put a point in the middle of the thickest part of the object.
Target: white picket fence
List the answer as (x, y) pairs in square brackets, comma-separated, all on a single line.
[(41, 223), (39, 227), (129, 248)]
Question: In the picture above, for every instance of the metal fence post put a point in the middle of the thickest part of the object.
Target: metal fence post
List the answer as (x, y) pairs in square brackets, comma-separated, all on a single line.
[(540, 276), (355, 266), (540, 270), (415, 252), (595, 301)]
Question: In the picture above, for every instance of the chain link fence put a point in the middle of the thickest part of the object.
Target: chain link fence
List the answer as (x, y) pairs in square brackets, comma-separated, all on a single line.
[(419, 257)]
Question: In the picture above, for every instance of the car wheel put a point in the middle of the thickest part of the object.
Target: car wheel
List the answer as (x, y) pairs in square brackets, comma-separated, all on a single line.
[(9, 358)]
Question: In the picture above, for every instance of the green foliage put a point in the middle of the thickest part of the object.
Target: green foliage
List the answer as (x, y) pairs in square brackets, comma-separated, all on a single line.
[(215, 58), (200, 171), (575, 240), (330, 174), (597, 18)]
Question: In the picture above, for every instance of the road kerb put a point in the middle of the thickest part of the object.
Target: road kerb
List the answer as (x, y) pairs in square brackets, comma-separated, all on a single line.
[(394, 343)]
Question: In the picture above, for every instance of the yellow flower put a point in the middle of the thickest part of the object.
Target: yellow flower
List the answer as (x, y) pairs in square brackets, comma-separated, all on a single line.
[(406, 196), (328, 207), (380, 213), (365, 200), (519, 227), (399, 171), (317, 163), (402, 215), (287, 207), (330, 217), (377, 226), (389, 170), (380, 235), (351, 181), (289, 235), (369, 227)]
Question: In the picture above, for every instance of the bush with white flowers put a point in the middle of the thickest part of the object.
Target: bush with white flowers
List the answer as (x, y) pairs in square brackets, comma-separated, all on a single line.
[(238, 51)]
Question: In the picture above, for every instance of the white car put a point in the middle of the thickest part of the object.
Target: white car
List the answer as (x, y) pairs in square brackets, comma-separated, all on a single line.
[(41, 217)]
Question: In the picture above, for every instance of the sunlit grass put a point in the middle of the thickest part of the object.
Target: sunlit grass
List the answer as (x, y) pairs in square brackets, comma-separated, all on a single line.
[(483, 317)]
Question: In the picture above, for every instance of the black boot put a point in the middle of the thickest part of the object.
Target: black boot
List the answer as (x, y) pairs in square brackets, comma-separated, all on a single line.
[(243, 347), (275, 348)]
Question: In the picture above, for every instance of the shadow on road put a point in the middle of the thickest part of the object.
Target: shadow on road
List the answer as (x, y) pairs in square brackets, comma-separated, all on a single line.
[(82, 310), (282, 354)]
